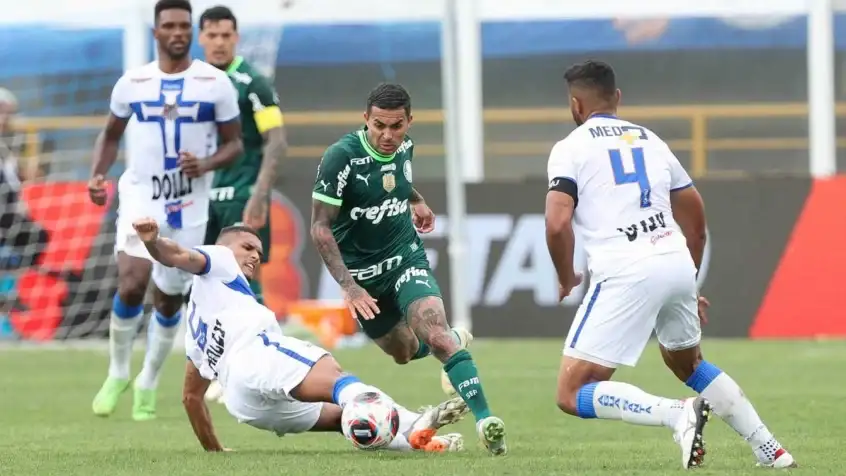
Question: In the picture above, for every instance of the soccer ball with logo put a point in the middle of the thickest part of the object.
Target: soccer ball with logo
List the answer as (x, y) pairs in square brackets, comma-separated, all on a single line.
[(370, 421)]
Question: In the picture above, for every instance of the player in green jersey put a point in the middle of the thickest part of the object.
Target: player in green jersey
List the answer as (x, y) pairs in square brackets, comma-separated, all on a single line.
[(365, 219), (241, 192)]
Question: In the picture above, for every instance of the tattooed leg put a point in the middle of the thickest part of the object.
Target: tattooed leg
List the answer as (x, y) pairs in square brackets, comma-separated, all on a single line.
[(427, 319), (402, 344)]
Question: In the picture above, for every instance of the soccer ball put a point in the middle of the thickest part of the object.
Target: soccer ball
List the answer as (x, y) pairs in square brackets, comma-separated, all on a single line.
[(370, 421)]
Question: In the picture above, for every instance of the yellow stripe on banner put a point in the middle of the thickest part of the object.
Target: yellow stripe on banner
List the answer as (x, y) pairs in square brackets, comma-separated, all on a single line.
[(268, 118)]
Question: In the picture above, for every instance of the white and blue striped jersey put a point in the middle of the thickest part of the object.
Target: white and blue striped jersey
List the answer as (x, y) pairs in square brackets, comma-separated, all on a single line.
[(169, 114), (223, 314), (623, 174)]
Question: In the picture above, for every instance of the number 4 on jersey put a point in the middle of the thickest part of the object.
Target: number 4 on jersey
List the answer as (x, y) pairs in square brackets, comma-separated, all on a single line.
[(639, 176)]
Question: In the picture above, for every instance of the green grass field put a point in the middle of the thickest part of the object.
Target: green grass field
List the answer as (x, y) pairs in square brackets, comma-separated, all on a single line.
[(46, 425)]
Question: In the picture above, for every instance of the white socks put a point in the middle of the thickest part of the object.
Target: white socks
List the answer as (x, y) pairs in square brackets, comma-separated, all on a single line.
[(123, 327), (730, 403), (622, 401), (161, 332), (348, 387)]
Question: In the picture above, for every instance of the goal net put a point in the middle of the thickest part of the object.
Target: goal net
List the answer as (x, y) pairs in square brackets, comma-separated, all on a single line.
[(57, 269)]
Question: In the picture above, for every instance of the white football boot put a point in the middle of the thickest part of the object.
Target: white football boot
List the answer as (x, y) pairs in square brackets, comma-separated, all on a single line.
[(782, 460), (465, 338), (449, 443), (688, 431), (431, 419)]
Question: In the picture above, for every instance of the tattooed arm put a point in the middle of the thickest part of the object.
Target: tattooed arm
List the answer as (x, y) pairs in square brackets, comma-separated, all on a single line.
[(416, 196), (322, 216)]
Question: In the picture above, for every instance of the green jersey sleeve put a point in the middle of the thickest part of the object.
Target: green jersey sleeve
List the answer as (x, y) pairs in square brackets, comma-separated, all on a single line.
[(332, 174)]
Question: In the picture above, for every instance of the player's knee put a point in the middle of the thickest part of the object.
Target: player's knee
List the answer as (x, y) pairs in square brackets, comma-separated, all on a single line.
[(131, 292), (682, 362), (402, 356), (168, 307), (566, 400)]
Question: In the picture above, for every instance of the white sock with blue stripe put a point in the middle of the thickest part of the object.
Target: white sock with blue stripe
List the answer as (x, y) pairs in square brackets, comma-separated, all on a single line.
[(161, 332), (123, 327), (730, 403), (622, 401)]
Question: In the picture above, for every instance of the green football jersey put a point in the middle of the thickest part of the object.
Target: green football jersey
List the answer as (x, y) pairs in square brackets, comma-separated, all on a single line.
[(259, 105), (373, 229)]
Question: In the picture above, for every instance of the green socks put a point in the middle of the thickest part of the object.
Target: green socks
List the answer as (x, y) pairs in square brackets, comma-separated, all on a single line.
[(255, 285), (464, 376), (422, 350)]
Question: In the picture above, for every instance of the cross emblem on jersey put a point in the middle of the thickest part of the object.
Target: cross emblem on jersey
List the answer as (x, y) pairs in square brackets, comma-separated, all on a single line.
[(171, 112)]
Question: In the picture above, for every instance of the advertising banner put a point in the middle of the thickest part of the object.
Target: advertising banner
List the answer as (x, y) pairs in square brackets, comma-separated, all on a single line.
[(772, 268)]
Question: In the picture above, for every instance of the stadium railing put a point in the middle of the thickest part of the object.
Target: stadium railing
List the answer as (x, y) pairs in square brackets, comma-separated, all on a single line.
[(698, 144)]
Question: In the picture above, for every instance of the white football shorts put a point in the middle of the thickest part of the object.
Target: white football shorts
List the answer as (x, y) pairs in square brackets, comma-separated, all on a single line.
[(259, 379), (170, 281), (618, 314)]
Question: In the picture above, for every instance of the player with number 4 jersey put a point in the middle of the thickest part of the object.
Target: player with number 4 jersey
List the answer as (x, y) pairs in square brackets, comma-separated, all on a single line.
[(643, 227)]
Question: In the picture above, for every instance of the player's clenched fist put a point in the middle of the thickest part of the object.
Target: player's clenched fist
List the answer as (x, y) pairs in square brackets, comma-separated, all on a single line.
[(97, 190), (147, 229), (190, 165)]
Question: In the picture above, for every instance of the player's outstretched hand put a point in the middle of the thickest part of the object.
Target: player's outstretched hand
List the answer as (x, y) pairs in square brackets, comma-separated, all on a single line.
[(702, 305), (564, 289), (360, 303), (423, 218), (97, 190), (147, 229), (190, 165)]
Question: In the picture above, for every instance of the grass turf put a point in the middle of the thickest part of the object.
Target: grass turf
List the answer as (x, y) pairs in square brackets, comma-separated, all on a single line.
[(47, 428)]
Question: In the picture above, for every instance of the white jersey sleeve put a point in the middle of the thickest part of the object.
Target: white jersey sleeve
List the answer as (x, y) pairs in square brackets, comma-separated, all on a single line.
[(119, 103), (227, 105), (563, 169), (220, 262), (679, 179)]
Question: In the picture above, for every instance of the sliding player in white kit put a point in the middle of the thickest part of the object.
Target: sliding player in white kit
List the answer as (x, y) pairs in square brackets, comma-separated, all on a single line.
[(270, 381), (177, 111), (643, 225)]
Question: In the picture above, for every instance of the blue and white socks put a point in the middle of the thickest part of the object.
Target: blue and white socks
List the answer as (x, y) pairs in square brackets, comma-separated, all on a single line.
[(123, 327), (623, 401), (161, 332), (730, 403)]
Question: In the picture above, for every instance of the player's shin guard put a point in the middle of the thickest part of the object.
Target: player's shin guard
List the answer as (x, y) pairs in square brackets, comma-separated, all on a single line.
[(730, 403), (123, 327), (160, 335), (464, 377), (621, 401)]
